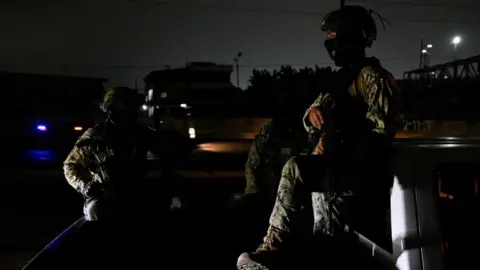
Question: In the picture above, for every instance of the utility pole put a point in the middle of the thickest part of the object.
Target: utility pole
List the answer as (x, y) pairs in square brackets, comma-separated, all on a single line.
[(425, 49), (342, 3), (237, 59), (421, 54)]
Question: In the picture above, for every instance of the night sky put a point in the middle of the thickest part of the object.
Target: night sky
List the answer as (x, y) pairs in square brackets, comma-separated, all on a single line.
[(122, 40)]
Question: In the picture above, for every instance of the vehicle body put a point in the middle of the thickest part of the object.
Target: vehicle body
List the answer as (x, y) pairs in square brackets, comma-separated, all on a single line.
[(57, 133), (430, 228), (424, 215), (43, 110), (164, 114), (39, 138), (418, 217)]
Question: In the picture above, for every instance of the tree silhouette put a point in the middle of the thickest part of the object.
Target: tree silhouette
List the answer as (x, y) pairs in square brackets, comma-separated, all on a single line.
[(285, 86)]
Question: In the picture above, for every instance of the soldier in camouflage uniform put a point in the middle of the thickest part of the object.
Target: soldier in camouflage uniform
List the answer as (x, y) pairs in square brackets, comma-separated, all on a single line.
[(276, 142), (108, 167), (283, 137), (365, 99)]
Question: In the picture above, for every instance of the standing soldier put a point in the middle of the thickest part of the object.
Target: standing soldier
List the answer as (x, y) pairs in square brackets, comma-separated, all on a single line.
[(108, 166)]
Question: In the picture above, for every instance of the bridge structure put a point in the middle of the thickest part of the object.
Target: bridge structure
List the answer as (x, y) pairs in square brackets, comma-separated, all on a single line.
[(446, 91), (461, 69)]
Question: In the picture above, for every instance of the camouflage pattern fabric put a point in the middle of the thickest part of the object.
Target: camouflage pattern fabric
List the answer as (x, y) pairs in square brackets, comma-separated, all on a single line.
[(124, 157), (253, 166), (377, 89), (292, 222), (293, 206), (276, 142), (80, 167), (292, 214)]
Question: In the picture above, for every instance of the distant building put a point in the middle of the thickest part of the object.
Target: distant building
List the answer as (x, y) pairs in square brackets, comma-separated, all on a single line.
[(50, 94), (198, 83), (174, 97)]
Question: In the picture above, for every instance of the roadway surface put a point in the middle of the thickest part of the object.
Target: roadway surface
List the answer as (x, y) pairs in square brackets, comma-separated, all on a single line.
[(37, 204)]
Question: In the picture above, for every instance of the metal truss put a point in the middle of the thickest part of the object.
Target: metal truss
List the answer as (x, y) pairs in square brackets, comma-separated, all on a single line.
[(458, 70)]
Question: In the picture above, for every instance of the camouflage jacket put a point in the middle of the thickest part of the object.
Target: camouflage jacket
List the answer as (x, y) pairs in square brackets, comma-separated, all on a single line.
[(276, 142), (373, 97), (123, 156)]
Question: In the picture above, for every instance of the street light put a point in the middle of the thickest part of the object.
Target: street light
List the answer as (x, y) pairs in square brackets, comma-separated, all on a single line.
[(424, 54), (455, 41), (425, 57)]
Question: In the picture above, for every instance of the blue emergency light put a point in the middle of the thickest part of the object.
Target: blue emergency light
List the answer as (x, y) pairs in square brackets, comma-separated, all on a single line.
[(42, 128)]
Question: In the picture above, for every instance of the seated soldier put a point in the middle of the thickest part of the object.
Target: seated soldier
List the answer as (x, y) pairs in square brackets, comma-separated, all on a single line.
[(358, 127), (246, 217)]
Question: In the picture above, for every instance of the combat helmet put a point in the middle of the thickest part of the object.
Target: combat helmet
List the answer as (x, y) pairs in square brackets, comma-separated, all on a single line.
[(121, 99), (353, 24)]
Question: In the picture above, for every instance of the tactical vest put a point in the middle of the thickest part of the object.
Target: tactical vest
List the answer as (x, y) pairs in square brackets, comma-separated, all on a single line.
[(122, 157), (344, 114), (347, 134)]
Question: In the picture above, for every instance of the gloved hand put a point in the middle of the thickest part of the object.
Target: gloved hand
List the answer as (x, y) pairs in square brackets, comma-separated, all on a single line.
[(315, 117), (319, 147), (94, 189)]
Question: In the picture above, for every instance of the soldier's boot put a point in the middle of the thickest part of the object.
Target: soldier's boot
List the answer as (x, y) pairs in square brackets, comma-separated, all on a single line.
[(286, 222), (266, 255)]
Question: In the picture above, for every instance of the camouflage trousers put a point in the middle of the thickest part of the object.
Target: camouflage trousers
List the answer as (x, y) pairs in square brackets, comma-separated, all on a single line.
[(362, 202)]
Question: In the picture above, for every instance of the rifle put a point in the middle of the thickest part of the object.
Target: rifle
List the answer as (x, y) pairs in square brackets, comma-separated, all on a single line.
[(332, 149), (105, 178)]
